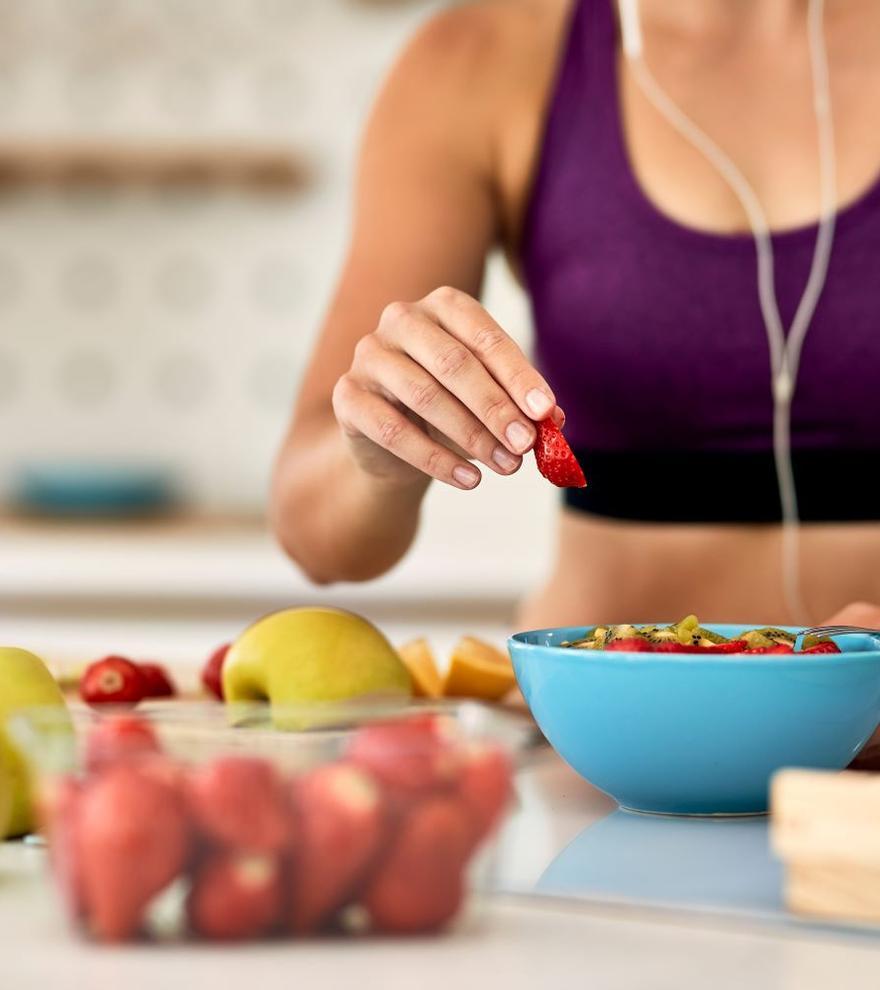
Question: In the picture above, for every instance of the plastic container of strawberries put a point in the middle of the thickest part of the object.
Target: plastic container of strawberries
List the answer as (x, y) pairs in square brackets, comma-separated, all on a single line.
[(236, 823)]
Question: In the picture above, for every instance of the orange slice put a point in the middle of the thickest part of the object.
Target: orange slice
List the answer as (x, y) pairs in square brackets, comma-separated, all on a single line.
[(478, 670), (419, 660)]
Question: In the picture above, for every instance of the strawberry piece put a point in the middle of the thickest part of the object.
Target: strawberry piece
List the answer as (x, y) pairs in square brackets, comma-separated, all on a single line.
[(733, 646), (236, 896), (113, 680), (410, 757), (341, 818), (157, 681), (555, 458), (117, 739), (778, 648), (486, 787), (419, 886), (630, 644), (242, 802), (827, 646), (212, 672), (133, 841), (60, 814)]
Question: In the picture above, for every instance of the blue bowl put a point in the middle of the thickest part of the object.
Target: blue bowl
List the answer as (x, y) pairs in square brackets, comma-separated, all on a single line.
[(688, 734)]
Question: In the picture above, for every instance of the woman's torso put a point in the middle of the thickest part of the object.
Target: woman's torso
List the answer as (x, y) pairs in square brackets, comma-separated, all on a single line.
[(644, 292)]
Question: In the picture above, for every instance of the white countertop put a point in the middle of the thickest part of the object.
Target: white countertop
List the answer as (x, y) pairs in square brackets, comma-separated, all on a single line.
[(507, 941)]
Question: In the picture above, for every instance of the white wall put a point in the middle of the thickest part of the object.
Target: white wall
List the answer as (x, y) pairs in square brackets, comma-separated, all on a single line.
[(171, 328)]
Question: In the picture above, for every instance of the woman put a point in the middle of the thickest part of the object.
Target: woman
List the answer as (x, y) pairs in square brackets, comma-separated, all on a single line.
[(519, 123)]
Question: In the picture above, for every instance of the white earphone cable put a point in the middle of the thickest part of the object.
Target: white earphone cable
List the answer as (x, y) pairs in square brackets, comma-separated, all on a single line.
[(785, 353)]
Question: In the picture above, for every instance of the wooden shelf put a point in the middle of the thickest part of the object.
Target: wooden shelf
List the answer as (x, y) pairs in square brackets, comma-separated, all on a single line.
[(154, 163)]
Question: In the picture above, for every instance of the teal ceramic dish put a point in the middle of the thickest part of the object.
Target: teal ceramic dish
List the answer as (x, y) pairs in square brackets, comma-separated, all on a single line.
[(692, 734)]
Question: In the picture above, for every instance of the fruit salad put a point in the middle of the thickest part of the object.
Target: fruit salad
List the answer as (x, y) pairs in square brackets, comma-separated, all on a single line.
[(688, 636), (237, 847)]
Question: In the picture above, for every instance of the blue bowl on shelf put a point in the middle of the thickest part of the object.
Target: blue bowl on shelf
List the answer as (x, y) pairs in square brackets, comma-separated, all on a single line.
[(693, 734), (90, 491)]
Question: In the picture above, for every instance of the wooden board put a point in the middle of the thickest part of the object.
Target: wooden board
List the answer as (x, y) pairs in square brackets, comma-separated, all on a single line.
[(826, 829)]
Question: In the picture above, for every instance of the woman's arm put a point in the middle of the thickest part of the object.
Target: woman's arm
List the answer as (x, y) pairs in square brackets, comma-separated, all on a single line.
[(399, 394)]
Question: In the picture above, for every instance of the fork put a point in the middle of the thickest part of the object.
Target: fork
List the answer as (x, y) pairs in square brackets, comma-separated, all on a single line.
[(832, 631)]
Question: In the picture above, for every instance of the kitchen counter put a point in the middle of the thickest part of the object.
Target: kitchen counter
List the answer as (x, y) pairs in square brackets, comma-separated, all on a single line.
[(509, 940)]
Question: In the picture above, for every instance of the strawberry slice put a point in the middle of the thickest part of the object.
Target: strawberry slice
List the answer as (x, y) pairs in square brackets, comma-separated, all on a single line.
[(733, 646), (629, 644), (827, 646), (555, 458), (779, 648)]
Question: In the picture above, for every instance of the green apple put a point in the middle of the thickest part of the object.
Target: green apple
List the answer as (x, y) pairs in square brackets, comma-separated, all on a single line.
[(305, 655), (25, 682)]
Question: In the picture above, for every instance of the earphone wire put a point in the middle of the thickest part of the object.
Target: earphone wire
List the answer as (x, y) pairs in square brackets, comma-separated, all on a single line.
[(785, 354)]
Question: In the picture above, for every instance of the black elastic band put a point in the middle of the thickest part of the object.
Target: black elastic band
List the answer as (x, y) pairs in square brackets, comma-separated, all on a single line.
[(678, 486)]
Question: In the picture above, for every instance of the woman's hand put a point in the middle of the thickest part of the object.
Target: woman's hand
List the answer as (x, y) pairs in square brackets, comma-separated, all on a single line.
[(868, 615), (436, 384)]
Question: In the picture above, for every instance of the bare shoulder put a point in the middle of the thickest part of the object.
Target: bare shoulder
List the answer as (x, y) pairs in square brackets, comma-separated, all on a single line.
[(481, 36), (472, 68)]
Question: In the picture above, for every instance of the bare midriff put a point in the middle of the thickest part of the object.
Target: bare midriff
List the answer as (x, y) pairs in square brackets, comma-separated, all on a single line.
[(640, 572)]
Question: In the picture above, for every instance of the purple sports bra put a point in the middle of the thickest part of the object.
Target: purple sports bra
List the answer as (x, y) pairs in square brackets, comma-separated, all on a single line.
[(651, 335)]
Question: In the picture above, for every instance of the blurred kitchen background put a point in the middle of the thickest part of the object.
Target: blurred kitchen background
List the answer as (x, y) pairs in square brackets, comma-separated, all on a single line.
[(174, 192)]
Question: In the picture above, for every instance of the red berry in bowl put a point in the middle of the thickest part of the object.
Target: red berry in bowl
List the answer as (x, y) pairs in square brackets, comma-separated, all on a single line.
[(236, 896), (117, 739), (158, 682), (631, 644), (410, 758), (342, 824), (113, 680), (241, 802), (419, 886), (212, 672)]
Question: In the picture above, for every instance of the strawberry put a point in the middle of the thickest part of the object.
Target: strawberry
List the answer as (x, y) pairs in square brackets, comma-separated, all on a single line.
[(778, 648), (486, 787), (733, 646), (119, 738), (555, 458), (212, 672), (60, 813), (157, 681), (631, 644), (113, 680), (419, 886), (133, 841), (236, 896), (241, 802), (826, 646), (341, 819), (410, 757)]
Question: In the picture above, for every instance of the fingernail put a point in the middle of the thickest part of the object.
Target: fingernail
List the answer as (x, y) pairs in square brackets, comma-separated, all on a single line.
[(519, 436), (504, 459), (466, 477), (539, 403), (559, 417)]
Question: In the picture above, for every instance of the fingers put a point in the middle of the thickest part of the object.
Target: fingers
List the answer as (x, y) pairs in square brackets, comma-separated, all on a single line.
[(856, 614), (404, 380), (465, 319), (361, 412), (452, 364)]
